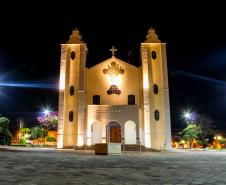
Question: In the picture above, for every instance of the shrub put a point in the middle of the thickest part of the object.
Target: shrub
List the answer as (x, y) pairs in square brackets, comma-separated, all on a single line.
[(51, 139), (203, 142), (23, 141), (222, 141)]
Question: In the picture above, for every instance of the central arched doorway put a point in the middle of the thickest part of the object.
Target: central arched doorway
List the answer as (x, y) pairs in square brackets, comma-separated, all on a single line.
[(113, 132)]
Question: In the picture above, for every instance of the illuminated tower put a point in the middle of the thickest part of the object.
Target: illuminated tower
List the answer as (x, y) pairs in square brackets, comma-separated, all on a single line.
[(71, 92), (156, 108)]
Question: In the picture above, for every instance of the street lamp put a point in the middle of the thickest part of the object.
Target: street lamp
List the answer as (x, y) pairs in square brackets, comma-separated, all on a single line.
[(46, 111), (187, 115)]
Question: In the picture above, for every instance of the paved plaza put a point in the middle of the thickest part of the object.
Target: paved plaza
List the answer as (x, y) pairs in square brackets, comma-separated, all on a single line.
[(34, 166)]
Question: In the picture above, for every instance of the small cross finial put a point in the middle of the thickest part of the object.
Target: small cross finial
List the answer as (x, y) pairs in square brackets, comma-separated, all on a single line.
[(113, 50)]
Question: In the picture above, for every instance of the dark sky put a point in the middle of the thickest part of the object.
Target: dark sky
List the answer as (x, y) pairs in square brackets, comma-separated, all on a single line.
[(31, 34)]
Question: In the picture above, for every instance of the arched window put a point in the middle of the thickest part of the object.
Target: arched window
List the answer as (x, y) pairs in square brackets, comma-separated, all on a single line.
[(96, 99), (72, 90), (153, 55), (71, 116), (155, 88), (72, 55), (157, 115), (131, 99)]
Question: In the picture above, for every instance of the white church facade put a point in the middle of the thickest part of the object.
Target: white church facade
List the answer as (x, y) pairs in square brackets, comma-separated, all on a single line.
[(114, 101)]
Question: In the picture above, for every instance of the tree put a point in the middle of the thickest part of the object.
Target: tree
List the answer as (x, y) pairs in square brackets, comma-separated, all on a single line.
[(38, 133), (48, 120), (190, 133), (207, 128), (25, 130), (206, 125), (4, 128), (24, 134)]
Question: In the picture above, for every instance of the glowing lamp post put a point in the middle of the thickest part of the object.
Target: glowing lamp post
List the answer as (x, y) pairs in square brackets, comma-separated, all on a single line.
[(187, 116), (46, 112)]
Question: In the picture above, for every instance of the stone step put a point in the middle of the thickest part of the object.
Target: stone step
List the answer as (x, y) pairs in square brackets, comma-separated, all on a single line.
[(136, 148), (123, 148)]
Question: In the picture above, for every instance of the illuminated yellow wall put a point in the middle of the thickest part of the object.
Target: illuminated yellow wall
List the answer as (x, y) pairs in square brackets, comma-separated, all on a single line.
[(158, 128), (157, 133), (98, 83), (71, 132)]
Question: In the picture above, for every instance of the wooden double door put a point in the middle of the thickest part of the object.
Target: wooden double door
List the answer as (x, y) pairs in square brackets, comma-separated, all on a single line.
[(113, 132)]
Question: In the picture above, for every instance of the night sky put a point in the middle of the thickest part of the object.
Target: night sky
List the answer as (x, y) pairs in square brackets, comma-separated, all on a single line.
[(31, 34)]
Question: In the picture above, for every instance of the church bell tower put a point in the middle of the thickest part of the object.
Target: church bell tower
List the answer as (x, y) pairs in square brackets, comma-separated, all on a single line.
[(72, 92), (156, 108)]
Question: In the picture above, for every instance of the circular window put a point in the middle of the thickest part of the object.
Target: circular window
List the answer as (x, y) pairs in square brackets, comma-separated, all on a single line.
[(72, 55), (155, 88), (72, 90), (157, 115), (71, 116), (153, 55)]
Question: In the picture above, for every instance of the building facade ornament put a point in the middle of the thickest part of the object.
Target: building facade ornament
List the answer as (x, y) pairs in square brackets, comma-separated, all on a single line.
[(152, 37), (75, 37)]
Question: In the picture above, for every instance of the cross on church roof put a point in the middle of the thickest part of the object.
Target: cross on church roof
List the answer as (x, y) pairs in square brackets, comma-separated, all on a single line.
[(113, 50)]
